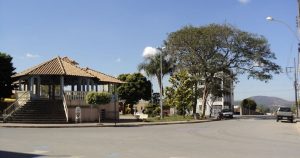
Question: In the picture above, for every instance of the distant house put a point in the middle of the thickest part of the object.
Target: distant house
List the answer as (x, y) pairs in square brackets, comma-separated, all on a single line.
[(50, 91)]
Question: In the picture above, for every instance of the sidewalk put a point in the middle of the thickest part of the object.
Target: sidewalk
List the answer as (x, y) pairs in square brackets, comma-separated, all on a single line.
[(298, 123), (85, 125)]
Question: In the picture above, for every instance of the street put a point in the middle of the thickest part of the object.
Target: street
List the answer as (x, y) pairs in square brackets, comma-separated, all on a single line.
[(247, 138)]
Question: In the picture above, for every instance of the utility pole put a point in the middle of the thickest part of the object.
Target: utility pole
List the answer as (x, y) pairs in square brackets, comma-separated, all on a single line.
[(161, 89), (297, 66), (296, 86)]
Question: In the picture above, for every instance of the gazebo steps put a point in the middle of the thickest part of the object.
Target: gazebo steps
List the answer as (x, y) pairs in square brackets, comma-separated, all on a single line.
[(39, 111)]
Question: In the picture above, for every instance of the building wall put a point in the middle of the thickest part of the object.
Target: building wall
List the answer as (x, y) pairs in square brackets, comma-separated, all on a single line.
[(225, 102), (92, 113)]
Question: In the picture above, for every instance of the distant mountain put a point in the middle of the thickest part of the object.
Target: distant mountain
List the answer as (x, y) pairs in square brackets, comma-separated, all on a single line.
[(268, 101)]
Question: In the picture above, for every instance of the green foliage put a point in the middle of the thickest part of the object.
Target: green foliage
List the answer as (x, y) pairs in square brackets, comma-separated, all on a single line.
[(294, 109), (170, 118), (98, 98), (136, 87), (152, 110), (249, 103), (180, 94), (262, 109), (213, 52), (6, 71)]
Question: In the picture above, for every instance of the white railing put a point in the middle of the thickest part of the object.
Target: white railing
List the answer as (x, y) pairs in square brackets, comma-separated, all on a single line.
[(23, 97), (77, 98), (75, 95), (65, 108)]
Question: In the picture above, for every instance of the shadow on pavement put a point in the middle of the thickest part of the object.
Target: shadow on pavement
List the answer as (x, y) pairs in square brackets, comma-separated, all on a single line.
[(10, 154), (286, 121)]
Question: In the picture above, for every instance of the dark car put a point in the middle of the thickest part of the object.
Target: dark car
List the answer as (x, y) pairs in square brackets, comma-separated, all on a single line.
[(226, 113)]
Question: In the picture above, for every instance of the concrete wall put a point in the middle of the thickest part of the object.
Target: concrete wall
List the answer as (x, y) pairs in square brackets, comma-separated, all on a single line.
[(92, 113)]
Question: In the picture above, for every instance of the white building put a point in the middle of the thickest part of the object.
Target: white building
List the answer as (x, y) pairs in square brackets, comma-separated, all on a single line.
[(215, 104)]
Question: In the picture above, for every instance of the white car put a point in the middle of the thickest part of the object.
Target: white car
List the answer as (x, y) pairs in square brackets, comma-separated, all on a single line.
[(284, 113)]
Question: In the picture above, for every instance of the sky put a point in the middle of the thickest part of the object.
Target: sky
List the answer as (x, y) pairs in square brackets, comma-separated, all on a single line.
[(111, 35)]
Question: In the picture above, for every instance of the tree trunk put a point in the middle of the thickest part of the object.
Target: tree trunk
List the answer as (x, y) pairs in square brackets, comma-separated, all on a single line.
[(195, 101), (210, 111), (204, 100)]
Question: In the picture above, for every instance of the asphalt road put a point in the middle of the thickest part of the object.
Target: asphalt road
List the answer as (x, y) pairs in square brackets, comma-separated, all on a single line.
[(239, 138)]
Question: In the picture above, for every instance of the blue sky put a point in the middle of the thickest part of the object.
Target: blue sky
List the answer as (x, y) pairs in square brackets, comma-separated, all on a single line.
[(110, 35)]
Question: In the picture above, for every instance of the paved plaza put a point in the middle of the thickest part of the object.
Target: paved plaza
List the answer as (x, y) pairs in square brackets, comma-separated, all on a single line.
[(238, 138)]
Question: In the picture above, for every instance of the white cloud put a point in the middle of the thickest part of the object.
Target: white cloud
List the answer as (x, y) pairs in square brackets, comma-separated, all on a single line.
[(244, 1), (143, 72), (118, 60), (149, 51), (28, 55)]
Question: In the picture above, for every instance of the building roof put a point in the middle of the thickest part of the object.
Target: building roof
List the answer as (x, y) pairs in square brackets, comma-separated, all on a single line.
[(55, 66), (102, 77), (68, 67)]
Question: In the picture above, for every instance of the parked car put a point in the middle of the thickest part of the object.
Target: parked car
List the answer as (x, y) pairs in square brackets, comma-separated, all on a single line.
[(225, 113), (284, 113)]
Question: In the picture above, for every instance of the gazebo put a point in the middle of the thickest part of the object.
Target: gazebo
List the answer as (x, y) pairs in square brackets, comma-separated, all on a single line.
[(59, 83)]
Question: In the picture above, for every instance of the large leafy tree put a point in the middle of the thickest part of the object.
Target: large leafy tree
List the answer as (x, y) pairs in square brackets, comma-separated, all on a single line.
[(151, 65), (135, 88), (180, 93), (249, 104), (6, 71), (216, 51)]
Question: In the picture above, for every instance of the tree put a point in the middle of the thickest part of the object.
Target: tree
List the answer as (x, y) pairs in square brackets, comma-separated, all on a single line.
[(180, 94), (263, 109), (98, 98), (216, 51), (137, 87), (6, 71), (249, 104), (151, 65)]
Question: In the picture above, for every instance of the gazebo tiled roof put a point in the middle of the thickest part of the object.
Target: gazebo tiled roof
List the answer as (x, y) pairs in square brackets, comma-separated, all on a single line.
[(102, 77), (68, 67), (55, 66)]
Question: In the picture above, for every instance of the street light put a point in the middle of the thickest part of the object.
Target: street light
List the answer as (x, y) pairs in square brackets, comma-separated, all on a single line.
[(161, 90), (269, 18)]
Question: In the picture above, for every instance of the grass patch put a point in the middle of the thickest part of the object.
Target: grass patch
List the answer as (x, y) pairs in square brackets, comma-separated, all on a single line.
[(170, 118)]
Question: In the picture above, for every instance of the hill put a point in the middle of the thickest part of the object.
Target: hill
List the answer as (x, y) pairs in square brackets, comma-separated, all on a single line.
[(267, 101)]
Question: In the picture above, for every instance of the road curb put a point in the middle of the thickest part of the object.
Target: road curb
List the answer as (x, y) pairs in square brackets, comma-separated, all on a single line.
[(100, 125)]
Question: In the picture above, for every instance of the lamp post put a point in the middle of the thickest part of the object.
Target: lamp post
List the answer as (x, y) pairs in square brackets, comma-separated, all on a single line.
[(296, 66), (161, 90)]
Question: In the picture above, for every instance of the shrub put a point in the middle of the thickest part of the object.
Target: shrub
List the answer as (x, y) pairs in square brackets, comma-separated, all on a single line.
[(91, 98), (103, 98), (152, 110), (98, 98)]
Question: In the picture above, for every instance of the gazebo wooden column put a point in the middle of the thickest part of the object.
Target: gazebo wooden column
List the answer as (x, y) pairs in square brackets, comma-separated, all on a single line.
[(79, 84), (62, 85), (87, 84), (38, 87)]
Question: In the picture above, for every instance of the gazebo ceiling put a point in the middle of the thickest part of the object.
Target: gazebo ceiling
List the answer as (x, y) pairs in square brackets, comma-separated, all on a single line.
[(66, 67)]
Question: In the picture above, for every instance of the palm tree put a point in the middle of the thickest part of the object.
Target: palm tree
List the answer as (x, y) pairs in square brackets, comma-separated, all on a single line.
[(151, 65)]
